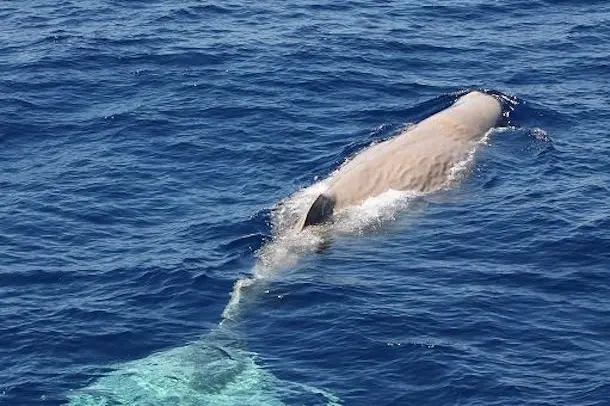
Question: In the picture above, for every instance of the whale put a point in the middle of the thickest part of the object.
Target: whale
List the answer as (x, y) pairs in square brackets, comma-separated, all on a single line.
[(418, 159), (218, 368)]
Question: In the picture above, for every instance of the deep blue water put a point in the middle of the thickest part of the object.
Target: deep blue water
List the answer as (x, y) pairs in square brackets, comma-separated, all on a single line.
[(149, 149)]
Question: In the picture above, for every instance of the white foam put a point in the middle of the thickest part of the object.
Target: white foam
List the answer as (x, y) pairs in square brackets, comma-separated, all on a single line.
[(289, 244), (285, 249), (373, 213), (461, 168)]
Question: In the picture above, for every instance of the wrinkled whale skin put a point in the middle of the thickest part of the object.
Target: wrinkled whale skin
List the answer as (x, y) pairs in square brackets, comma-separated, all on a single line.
[(418, 159)]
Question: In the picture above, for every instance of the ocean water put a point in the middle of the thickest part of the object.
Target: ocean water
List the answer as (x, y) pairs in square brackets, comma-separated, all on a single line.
[(153, 155)]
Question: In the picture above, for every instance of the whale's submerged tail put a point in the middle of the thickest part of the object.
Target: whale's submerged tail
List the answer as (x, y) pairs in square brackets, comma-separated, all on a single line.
[(211, 371)]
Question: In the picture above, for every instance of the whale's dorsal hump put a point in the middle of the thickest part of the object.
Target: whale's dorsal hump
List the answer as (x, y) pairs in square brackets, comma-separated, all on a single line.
[(320, 211)]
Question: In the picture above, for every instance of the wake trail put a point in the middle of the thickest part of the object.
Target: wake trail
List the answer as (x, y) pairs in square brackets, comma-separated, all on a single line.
[(289, 244)]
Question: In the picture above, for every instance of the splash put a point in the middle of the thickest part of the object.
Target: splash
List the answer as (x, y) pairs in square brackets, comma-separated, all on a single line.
[(290, 244), (286, 248)]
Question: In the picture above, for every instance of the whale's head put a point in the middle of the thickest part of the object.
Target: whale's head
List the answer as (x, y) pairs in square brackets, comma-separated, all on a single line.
[(478, 109)]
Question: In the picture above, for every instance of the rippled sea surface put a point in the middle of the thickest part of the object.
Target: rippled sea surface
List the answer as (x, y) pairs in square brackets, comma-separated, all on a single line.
[(151, 153)]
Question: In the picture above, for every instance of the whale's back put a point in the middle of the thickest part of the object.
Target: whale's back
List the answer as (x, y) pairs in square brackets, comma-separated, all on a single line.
[(418, 159)]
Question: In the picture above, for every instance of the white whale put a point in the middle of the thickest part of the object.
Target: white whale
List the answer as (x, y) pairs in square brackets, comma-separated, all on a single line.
[(419, 159)]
